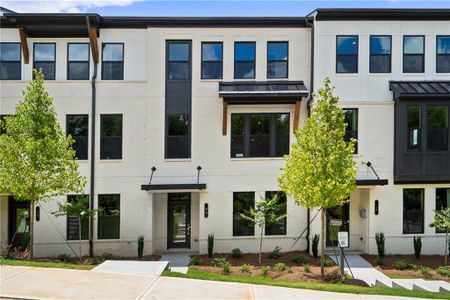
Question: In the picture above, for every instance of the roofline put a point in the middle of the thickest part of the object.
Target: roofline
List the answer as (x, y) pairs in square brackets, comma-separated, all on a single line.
[(379, 14)]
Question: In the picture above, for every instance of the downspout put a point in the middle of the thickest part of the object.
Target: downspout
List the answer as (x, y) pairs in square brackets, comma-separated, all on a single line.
[(92, 173)]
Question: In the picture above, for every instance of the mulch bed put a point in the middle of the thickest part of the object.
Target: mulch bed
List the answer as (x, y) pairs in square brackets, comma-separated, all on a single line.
[(86, 260)]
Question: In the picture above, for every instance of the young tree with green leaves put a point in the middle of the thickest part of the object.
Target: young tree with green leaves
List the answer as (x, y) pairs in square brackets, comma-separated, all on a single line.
[(37, 161), (267, 211), (320, 171), (442, 222)]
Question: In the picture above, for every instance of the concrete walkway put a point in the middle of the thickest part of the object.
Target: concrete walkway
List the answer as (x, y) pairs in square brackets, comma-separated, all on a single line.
[(46, 283), (178, 262), (131, 267)]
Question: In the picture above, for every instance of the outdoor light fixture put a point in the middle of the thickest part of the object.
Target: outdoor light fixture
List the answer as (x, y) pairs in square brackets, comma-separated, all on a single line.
[(151, 176), (199, 168), (206, 210), (38, 213), (376, 207)]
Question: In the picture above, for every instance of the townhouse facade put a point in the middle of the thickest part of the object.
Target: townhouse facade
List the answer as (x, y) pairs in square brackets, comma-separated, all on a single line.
[(182, 123)]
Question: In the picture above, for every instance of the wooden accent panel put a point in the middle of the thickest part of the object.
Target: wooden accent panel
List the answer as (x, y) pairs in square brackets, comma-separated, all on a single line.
[(296, 115), (225, 118), (24, 45), (94, 45)]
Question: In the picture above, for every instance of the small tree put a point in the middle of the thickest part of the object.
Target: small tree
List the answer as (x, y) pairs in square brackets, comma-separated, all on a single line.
[(266, 212), (320, 171), (79, 209), (36, 159), (442, 222)]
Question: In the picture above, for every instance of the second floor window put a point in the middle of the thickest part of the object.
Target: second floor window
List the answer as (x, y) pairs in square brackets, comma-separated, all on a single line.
[(413, 211), (179, 58), (414, 127), (351, 131), (244, 60), (413, 54), (77, 127), (77, 61), (178, 144), (111, 137), (347, 54), (380, 54), (443, 54), (112, 61), (277, 60), (437, 127), (212, 57), (259, 135), (10, 61), (44, 58)]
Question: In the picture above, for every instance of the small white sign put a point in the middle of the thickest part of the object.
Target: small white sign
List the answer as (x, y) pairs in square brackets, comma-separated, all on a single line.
[(343, 239)]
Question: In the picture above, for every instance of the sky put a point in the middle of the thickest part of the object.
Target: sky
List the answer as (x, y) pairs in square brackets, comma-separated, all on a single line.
[(211, 8)]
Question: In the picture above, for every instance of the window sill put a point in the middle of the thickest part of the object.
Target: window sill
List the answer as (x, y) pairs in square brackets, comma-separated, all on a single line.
[(111, 160), (177, 160), (211, 79), (347, 74), (256, 158), (83, 161)]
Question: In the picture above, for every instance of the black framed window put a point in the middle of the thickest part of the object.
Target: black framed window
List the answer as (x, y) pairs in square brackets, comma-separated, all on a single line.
[(73, 222), (244, 60), (351, 130), (443, 54), (242, 202), (414, 127), (111, 136), (259, 135), (277, 59), (78, 127), (380, 54), (77, 61), (178, 144), (347, 54), (44, 56), (437, 127), (413, 211), (179, 60), (442, 201), (413, 54), (212, 60), (10, 61), (112, 61), (109, 216), (278, 228)]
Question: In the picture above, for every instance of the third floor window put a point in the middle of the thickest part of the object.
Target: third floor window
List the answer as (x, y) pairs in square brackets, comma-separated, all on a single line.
[(277, 60), (10, 61), (44, 58), (244, 60), (112, 61), (347, 54), (443, 54), (212, 60), (179, 60), (413, 54), (77, 61), (380, 54)]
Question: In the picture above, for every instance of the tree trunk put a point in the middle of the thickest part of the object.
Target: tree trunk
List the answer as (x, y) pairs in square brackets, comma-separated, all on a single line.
[(260, 245), (446, 247), (79, 237), (322, 243), (31, 229)]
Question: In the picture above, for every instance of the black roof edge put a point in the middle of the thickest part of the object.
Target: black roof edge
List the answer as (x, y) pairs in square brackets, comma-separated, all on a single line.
[(379, 14)]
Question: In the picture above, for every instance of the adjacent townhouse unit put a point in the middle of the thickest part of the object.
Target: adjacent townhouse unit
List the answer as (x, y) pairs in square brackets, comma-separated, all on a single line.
[(180, 124)]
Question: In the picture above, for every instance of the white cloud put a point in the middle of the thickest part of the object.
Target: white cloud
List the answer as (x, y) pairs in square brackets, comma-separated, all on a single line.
[(66, 6)]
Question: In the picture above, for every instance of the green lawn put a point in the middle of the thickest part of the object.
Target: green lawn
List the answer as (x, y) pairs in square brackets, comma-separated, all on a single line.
[(397, 276), (340, 288), (28, 263)]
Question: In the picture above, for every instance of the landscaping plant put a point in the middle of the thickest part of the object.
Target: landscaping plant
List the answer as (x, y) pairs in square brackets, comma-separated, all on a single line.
[(379, 238), (328, 262), (63, 257), (417, 240), (226, 267), (320, 171), (280, 267), (307, 268), (315, 245), (275, 253), (236, 253), (380, 261), (37, 161), (210, 244), (442, 222), (245, 268), (300, 259), (425, 271), (219, 261), (401, 264), (107, 256), (195, 260), (265, 271), (140, 246), (444, 271)]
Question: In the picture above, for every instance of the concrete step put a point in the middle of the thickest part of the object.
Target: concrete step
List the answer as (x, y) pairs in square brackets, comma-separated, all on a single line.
[(383, 283), (444, 289), (430, 286), (406, 284)]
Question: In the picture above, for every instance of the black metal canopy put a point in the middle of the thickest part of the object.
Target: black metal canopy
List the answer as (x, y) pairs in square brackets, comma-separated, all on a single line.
[(411, 89), (371, 182), (172, 186)]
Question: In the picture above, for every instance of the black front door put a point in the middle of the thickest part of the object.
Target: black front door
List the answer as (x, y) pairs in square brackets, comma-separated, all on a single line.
[(18, 223), (179, 220), (337, 220)]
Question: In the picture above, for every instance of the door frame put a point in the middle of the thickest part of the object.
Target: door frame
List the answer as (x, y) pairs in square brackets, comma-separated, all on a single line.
[(12, 206), (172, 200), (345, 222)]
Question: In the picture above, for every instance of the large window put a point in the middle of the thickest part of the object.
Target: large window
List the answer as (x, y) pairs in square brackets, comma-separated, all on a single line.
[(413, 54), (347, 54), (437, 127), (212, 60), (109, 216), (112, 61), (178, 144), (77, 127), (380, 54), (443, 54), (111, 136), (179, 60), (414, 127), (351, 130), (442, 201), (73, 222), (44, 58), (277, 59), (259, 135), (278, 228), (10, 63), (413, 211), (77, 61), (244, 60), (242, 202)]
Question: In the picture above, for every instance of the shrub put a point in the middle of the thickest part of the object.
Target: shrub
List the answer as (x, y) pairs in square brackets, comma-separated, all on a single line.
[(289, 269), (380, 261), (300, 259), (425, 271), (219, 261), (275, 253), (95, 261), (107, 256), (226, 267), (315, 245), (245, 268), (236, 253), (265, 271), (210, 244), (417, 240), (401, 264), (280, 267), (307, 268), (328, 262), (140, 246), (195, 260), (444, 271), (63, 257), (379, 238)]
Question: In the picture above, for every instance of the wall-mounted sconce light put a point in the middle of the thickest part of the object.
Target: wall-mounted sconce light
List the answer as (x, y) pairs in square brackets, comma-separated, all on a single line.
[(376, 207), (206, 210), (362, 213), (38, 213)]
